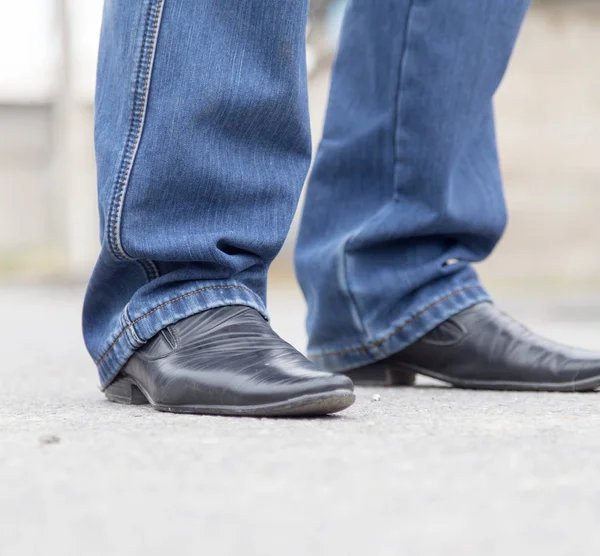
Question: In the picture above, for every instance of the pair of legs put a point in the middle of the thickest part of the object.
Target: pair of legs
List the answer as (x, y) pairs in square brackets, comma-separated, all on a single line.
[(203, 145)]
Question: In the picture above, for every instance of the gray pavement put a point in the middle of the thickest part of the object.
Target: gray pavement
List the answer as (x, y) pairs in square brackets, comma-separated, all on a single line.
[(424, 471)]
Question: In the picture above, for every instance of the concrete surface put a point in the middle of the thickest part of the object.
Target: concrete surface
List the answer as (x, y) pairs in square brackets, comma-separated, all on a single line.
[(424, 471)]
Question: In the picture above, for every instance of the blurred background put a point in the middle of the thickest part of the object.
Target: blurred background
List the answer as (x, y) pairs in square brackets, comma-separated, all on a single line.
[(548, 124)]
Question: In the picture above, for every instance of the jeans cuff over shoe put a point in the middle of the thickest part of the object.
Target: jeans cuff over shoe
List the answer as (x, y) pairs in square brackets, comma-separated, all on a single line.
[(423, 320), (139, 324)]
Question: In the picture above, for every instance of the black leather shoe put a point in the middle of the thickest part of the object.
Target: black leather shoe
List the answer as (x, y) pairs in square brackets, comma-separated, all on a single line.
[(228, 361), (483, 348)]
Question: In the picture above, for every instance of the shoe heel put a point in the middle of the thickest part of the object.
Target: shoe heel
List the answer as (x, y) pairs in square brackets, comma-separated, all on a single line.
[(122, 390), (381, 374)]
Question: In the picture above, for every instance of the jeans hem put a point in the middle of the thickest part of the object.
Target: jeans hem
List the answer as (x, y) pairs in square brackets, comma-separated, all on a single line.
[(400, 337), (133, 332)]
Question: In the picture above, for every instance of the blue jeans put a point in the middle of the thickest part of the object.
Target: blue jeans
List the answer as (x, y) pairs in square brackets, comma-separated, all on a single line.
[(203, 144)]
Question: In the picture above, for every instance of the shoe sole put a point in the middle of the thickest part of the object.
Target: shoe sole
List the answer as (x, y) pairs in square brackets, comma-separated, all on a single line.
[(126, 391), (381, 374)]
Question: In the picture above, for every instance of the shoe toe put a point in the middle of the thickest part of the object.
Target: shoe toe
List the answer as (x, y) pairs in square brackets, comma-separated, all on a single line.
[(340, 382), (309, 381)]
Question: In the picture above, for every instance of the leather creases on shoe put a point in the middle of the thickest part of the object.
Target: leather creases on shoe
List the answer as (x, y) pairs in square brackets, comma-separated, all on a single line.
[(228, 360)]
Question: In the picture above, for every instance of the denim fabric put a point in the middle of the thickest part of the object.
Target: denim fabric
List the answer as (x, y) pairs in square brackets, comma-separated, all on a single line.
[(203, 143), (406, 190), (202, 146)]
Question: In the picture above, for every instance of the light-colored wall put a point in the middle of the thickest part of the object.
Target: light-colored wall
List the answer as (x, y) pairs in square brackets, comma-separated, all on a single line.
[(549, 133), (30, 53)]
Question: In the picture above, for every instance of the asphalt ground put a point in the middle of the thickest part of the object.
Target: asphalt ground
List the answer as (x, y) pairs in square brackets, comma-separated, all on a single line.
[(424, 471)]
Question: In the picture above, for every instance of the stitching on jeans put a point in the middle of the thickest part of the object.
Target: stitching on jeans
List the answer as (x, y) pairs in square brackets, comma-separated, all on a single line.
[(347, 246), (377, 343), (398, 99), (137, 120), (352, 238), (111, 347), (148, 49), (137, 341), (345, 284)]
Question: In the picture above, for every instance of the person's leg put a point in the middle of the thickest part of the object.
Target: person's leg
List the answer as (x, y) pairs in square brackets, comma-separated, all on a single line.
[(406, 194), (406, 191), (202, 143)]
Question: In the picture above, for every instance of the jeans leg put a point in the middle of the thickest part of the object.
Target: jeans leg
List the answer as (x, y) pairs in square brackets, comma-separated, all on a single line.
[(406, 191), (202, 144)]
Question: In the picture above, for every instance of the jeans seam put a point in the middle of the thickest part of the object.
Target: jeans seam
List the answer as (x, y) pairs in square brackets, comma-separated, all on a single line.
[(129, 326), (398, 98), (140, 100), (345, 286), (354, 307), (158, 307), (377, 343)]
